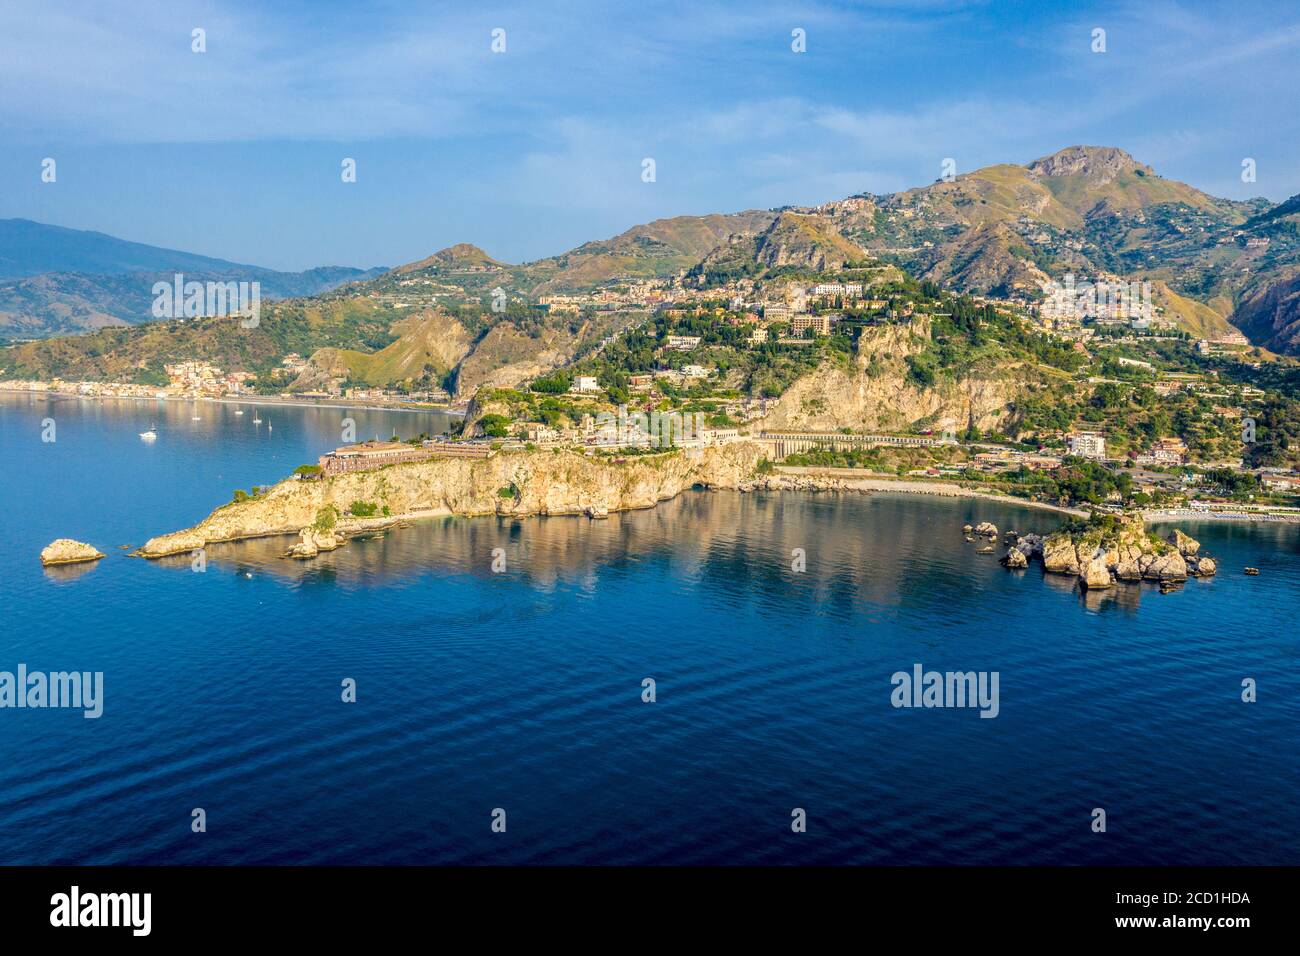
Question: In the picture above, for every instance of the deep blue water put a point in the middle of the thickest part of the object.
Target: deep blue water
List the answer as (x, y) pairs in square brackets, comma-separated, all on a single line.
[(522, 690)]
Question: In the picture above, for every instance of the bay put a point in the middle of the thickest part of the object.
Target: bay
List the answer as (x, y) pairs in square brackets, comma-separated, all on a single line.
[(523, 690)]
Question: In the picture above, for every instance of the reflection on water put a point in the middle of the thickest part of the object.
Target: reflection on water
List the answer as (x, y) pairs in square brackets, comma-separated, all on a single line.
[(701, 536), (522, 689), (67, 573)]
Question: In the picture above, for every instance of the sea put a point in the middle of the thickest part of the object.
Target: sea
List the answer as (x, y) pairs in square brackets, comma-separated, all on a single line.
[(711, 681)]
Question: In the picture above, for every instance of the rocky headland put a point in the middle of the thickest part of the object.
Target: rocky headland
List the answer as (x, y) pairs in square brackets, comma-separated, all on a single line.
[(325, 512), (1104, 550)]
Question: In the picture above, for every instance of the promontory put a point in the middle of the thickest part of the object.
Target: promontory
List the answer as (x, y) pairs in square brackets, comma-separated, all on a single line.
[(516, 483)]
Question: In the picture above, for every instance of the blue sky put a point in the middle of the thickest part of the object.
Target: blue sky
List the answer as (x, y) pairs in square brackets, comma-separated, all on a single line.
[(236, 152)]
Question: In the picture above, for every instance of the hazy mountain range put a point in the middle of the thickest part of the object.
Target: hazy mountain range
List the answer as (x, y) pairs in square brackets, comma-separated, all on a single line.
[(57, 281)]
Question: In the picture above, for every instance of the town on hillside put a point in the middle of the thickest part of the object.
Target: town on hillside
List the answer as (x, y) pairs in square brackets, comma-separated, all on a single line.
[(1088, 396)]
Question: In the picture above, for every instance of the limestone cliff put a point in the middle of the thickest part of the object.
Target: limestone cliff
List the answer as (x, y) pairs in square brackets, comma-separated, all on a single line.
[(873, 392), (509, 483), (505, 357)]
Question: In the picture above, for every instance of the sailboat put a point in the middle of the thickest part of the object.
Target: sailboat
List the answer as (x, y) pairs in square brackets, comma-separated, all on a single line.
[(151, 434), (257, 419)]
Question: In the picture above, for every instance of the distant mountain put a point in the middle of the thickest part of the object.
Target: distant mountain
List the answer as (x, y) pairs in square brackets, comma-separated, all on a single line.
[(1005, 230), (1084, 208), (658, 249), (30, 248), (1093, 211), (58, 281), (793, 240), (460, 257), (427, 320)]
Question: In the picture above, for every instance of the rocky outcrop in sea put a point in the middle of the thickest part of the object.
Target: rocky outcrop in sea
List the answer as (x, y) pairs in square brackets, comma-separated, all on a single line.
[(312, 542), (68, 551), (1104, 550)]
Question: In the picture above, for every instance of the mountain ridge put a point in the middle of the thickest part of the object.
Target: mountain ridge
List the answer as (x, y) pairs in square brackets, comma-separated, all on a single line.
[(1001, 230), (55, 280)]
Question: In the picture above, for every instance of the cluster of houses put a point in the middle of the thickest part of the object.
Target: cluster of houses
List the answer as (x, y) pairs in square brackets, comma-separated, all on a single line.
[(204, 380), (184, 380), (88, 389)]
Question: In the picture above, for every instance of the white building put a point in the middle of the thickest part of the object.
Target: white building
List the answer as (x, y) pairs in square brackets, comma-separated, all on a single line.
[(683, 343), (585, 383), (1087, 445), (1136, 363)]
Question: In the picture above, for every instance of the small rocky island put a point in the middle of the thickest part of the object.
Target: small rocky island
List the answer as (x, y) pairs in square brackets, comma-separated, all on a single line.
[(68, 551), (312, 541), (1103, 550)]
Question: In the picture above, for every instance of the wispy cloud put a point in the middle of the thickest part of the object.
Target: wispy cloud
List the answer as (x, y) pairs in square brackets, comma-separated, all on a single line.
[(542, 146)]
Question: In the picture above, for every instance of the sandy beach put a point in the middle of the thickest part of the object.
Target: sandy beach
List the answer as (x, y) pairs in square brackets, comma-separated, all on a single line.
[(863, 481)]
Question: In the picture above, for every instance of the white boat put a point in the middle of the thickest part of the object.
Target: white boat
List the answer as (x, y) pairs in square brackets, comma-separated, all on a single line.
[(150, 435), (196, 418), (257, 419), (239, 411)]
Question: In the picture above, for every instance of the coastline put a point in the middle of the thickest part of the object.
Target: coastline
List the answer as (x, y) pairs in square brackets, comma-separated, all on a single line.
[(508, 484), (853, 478), (260, 400), (520, 484)]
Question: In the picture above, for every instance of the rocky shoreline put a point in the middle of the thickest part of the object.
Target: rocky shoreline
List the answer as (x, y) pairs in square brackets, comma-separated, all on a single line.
[(515, 484), (323, 513)]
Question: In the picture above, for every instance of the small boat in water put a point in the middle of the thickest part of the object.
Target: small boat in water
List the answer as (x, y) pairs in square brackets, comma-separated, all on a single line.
[(239, 411), (151, 434), (257, 419), (196, 418), (1252, 570)]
